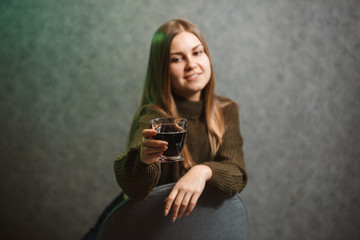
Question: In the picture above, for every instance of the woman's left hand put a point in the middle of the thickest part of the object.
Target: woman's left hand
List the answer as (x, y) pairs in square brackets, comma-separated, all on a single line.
[(187, 191)]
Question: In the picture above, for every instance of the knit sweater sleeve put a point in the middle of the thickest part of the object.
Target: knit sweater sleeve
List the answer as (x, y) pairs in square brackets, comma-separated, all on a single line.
[(229, 174), (135, 178)]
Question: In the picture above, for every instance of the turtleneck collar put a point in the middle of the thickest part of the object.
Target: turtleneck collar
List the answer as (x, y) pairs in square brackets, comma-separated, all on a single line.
[(188, 109)]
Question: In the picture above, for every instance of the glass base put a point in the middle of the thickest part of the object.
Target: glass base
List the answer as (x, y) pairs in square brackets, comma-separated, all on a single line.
[(165, 159)]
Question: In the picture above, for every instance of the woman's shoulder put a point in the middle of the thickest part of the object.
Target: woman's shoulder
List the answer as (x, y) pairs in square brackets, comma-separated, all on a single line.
[(226, 104), (230, 110)]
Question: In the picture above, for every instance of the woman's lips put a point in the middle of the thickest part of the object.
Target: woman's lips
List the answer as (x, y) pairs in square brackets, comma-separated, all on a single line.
[(192, 76)]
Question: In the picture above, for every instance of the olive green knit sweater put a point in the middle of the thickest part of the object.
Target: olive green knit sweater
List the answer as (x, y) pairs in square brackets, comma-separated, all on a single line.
[(229, 176)]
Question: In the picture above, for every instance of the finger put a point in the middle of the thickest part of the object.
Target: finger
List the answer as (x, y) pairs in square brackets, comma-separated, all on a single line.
[(151, 150), (184, 204), (192, 204), (176, 206), (149, 157), (148, 133), (169, 201), (154, 143)]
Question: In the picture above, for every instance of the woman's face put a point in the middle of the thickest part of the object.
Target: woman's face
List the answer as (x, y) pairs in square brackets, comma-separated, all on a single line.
[(190, 69)]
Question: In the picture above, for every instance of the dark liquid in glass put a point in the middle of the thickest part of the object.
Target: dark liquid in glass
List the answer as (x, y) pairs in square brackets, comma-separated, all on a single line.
[(174, 136)]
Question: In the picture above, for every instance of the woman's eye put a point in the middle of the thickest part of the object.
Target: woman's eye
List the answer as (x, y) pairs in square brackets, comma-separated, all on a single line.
[(197, 53), (174, 60)]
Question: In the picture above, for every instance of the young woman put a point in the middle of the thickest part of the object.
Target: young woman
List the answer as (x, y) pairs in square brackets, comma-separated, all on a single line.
[(180, 82)]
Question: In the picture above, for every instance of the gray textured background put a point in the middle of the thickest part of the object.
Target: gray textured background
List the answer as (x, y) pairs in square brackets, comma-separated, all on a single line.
[(71, 76)]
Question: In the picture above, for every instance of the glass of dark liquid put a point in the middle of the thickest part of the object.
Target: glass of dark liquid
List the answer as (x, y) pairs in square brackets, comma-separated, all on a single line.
[(172, 131)]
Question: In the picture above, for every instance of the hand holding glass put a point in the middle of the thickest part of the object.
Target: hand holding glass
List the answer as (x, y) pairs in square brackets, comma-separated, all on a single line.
[(173, 131)]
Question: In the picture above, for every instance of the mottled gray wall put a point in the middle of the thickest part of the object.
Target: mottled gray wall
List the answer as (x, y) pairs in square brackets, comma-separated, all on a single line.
[(71, 75)]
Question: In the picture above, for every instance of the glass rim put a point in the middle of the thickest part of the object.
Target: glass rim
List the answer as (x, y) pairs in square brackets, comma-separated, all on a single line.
[(180, 119)]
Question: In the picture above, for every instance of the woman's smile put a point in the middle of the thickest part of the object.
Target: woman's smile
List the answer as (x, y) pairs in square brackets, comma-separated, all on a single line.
[(192, 76)]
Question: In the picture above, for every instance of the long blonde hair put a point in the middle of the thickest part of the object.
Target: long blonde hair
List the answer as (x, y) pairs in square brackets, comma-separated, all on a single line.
[(157, 89)]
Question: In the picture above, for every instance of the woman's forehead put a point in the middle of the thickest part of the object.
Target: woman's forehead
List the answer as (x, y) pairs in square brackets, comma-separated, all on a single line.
[(184, 40)]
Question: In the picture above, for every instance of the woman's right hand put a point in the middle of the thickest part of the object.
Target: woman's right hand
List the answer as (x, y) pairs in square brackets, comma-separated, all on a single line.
[(151, 148)]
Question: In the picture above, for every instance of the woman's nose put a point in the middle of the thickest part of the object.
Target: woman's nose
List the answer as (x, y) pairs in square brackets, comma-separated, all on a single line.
[(190, 64)]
